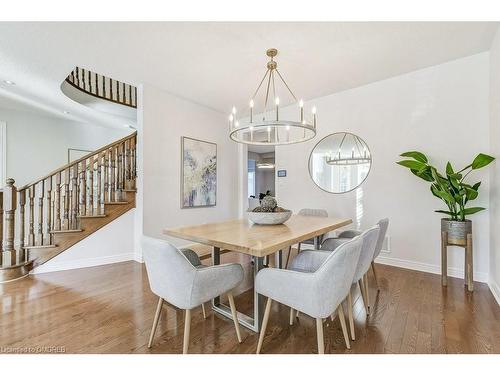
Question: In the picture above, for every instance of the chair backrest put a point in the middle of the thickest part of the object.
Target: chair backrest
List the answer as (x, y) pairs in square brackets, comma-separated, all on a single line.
[(383, 224), (313, 212), (369, 237), (335, 276), (170, 273)]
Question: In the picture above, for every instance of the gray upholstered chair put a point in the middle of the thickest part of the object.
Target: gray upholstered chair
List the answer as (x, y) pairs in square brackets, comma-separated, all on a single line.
[(305, 261), (319, 212), (318, 294), (179, 278), (344, 236)]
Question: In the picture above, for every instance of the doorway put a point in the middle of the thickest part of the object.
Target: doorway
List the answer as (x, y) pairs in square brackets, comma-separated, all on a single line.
[(260, 174)]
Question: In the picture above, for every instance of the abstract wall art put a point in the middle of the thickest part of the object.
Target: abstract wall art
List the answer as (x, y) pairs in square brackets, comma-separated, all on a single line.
[(198, 173)]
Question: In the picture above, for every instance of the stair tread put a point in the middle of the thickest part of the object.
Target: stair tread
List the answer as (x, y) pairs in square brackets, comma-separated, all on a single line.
[(40, 247), (119, 202), (91, 216), (66, 231)]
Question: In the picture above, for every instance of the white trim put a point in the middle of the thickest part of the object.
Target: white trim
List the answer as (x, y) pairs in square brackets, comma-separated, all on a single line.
[(3, 149), (495, 290), (430, 268), (54, 266)]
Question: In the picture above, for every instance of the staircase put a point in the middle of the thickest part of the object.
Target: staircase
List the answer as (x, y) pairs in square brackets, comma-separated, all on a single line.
[(46, 217)]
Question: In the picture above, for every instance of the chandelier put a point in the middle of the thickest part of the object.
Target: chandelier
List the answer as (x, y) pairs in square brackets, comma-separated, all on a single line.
[(264, 125), (358, 154)]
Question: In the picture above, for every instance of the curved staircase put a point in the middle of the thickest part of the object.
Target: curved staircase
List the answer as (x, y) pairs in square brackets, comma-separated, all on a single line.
[(46, 217)]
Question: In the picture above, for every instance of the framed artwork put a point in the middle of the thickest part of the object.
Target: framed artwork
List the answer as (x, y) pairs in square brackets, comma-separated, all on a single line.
[(198, 173)]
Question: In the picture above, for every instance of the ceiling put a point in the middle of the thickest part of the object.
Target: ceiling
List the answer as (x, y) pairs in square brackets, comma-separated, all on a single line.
[(220, 64)]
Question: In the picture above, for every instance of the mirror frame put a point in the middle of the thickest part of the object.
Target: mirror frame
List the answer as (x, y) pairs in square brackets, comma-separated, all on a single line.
[(321, 140)]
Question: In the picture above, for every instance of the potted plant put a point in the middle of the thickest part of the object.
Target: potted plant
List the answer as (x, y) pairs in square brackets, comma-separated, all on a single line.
[(453, 189)]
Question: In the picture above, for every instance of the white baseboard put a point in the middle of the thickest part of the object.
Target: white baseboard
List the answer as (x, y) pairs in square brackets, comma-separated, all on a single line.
[(495, 290), (430, 268), (53, 266), (138, 257)]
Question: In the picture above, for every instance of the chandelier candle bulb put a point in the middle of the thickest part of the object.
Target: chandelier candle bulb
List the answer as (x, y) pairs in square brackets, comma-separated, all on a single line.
[(314, 116), (301, 106), (251, 111), (277, 101)]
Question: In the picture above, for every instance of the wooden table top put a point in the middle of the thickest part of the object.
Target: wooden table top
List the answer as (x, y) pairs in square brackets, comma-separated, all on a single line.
[(258, 240)]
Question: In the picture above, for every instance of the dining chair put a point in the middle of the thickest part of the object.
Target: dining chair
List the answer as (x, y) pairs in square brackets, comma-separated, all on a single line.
[(348, 234), (178, 278), (318, 294), (370, 239), (319, 212)]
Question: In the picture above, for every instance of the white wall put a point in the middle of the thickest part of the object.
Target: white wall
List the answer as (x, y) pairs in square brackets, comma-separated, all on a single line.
[(111, 244), (164, 119), (38, 144), (495, 169), (441, 111)]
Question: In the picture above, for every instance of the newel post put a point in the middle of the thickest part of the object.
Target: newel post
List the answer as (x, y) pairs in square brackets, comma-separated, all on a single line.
[(9, 207)]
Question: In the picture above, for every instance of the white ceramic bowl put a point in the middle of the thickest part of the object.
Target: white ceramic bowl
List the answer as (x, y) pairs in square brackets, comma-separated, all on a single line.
[(269, 218)]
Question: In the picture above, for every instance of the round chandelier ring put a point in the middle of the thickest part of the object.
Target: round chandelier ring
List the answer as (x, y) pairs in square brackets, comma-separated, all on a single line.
[(245, 128)]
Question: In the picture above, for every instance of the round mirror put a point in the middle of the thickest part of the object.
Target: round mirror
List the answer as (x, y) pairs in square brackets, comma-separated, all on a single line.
[(340, 162)]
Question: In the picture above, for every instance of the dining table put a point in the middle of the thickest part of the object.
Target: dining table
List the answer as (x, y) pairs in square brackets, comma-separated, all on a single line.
[(259, 242)]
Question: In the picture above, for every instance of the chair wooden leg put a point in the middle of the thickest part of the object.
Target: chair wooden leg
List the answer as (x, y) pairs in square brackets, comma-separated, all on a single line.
[(203, 310), (340, 311), (375, 275), (264, 324), (298, 248), (351, 317), (362, 290), (288, 256), (319, 332), (155, 322), (292, 316), (367, 292), (235, 315), (187, 329)]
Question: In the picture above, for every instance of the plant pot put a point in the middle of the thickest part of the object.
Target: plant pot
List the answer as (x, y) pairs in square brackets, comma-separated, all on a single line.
[(457, 231)]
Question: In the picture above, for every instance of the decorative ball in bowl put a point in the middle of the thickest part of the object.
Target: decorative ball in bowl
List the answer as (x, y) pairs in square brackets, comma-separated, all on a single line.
[(268, 213)]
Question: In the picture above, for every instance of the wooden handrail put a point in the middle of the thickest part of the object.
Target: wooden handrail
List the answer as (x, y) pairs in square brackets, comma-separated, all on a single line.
[(75, 162), (108, 89)]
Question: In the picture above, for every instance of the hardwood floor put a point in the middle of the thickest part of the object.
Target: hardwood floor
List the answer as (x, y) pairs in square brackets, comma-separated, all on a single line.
[(110, 309)]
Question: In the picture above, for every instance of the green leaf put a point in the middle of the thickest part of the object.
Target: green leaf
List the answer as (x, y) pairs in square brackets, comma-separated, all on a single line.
[(425, 175), (449, 169), (472, 210), (412, 164), (476, 185), (471, 194), (434, 190), (454, 183), (445, 212), (482, 160), (444, 195), (415, 155)]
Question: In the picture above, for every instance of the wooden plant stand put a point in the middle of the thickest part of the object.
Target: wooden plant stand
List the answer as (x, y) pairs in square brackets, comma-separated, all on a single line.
[(468, 270)]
